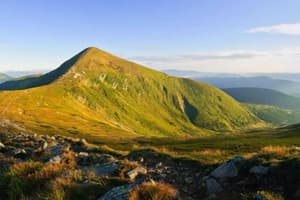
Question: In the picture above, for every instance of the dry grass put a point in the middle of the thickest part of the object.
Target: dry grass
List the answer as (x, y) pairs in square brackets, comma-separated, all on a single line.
[(153, 191), (209, 152), (276, 150)]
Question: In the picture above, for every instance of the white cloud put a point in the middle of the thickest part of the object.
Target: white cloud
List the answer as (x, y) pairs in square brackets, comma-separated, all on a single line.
[(241, 61), (288, 29)]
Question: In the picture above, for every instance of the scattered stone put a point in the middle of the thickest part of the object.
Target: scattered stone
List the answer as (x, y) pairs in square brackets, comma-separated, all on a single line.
[(55, 150), (135, 172), (45, 145), (259, 170), (84, 142), (19, 151), (83, 154), (158, 165), (228, 169), (56, 159)]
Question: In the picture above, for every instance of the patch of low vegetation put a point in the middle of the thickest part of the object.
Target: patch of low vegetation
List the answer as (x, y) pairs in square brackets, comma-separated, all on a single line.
[(153, 191), (263, 195)]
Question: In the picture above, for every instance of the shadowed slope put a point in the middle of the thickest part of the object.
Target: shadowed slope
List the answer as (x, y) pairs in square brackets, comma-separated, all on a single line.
[(36, 81)]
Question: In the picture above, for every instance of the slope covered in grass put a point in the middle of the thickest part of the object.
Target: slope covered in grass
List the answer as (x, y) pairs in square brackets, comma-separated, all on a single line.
[(274, 114), (264, 96), (96, 94)]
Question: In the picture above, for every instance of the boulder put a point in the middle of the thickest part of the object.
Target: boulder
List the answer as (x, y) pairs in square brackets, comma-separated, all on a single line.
[(228, 169), (119, 193), (107, 169), (2, 146), (212, 186), (135, 172), (259, 170)]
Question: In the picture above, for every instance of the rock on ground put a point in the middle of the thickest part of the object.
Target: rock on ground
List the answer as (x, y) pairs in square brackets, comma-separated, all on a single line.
[(228, 169)]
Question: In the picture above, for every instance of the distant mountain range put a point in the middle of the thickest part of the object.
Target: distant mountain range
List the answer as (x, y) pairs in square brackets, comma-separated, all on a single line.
[(4, 77), (23, 73), (98, 94), (286, 83), (264, 96)]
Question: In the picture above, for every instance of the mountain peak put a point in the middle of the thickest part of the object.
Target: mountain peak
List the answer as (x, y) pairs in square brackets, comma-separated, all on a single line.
[(90, 61), (91, 50)]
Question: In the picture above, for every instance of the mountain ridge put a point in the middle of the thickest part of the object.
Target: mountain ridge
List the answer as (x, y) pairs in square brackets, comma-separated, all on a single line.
[(4, 77), (113, 96), (264, 96)]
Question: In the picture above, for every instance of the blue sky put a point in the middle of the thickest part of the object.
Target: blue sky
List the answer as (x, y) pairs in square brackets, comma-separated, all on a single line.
[(204, 35)]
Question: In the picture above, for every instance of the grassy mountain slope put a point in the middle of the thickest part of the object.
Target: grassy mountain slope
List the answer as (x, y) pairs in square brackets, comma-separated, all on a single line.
[(275, 115), (264, 96), (4, 77), (99, 95)]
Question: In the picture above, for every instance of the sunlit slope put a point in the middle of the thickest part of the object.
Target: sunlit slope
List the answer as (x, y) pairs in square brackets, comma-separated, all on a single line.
[(98, 94)]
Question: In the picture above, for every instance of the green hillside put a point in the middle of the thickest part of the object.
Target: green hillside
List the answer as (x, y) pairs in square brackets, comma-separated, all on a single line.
[(4, 77), (275, 115), (264, 96), (96, 94)]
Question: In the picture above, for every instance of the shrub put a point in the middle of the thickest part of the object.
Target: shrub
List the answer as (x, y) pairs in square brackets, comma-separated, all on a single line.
[(153, 191)]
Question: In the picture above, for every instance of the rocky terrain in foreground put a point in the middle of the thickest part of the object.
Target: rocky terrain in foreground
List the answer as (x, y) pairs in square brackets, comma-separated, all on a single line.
[(53, 167)]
